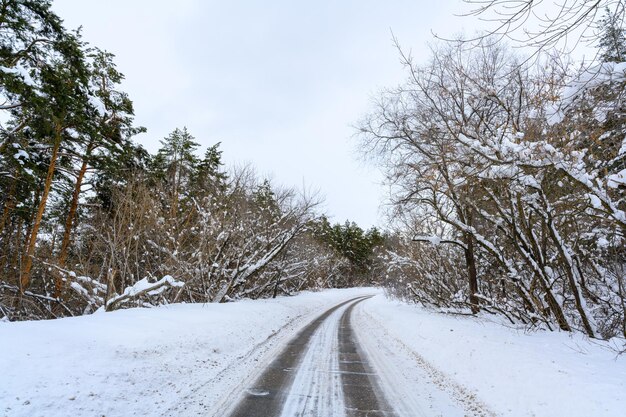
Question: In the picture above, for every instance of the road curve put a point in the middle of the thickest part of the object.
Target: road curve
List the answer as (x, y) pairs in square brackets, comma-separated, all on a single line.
[(320, 373)]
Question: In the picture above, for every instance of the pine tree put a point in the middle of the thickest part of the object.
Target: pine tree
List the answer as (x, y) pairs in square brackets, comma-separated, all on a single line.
[(176, 164), (106, 135), (31, 35), (210, 178), (612, 41), (114, 172), (56, 115), (43, 79), (265, 200), (350, 241)]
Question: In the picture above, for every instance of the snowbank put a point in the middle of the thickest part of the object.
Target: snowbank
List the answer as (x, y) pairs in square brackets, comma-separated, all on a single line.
[(148, 362), (514, 373)]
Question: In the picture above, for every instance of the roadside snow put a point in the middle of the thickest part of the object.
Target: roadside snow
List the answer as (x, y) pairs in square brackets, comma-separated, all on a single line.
[(481, 362), (170, 360)]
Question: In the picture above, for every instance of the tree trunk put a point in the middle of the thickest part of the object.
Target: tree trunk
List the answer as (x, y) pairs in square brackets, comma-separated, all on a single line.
[(472, 275), (9, 206), (572, 273), (275, 292), (174, 203), (58, 281), (9, 203), (27, 263), (13, 262), (572, 278), (622, 296)]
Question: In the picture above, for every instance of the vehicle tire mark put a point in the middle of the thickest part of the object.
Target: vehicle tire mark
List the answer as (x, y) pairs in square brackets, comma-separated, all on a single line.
[(267, 395), (362, 393)]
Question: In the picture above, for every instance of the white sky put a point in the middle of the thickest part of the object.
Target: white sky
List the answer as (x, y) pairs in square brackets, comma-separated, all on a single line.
[(279, 83)]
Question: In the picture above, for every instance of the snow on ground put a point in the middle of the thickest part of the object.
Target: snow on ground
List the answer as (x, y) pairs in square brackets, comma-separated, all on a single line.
[(482, 363), (171, 360), (189, 360)]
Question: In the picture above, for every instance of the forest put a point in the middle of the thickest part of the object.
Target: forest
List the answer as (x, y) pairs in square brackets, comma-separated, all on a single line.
[(507, 175), (90, 220)]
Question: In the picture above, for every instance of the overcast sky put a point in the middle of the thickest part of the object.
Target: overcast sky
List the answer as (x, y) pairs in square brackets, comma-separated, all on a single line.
[(279, 83)]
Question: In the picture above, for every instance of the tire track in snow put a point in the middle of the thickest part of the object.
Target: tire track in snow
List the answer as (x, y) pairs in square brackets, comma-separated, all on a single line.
[(270, 394), (363, 394), (333, 368), (316, 389)]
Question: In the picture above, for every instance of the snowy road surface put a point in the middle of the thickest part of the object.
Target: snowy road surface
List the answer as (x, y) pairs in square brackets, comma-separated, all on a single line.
[(320, 373), (323, 371)]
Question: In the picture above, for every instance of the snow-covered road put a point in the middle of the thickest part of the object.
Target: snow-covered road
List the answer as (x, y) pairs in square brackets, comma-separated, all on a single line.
[(304, 379), (320, 373), (326, 370)]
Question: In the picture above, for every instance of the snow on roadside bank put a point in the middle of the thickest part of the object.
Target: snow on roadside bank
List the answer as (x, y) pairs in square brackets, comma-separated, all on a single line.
[(148, 362), (515, 374)]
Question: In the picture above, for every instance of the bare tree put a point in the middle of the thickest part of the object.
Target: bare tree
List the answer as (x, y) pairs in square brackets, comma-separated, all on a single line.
[(479, 160), (545, 24)]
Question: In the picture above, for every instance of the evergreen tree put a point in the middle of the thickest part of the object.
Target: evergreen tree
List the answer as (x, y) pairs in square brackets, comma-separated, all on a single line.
[(31, 34), (612, 41), (43, 83), (210, 178), (176, 164), (113, 172), (265, 199), (56, 115), (106, 135), (350, 241)]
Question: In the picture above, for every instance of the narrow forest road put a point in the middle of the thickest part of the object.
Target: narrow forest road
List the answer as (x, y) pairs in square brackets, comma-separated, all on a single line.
[(321, 372), (344, 363)]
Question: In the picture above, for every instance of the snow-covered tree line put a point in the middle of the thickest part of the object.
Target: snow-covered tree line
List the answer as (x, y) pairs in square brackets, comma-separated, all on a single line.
[(509, 185), (90, 220)]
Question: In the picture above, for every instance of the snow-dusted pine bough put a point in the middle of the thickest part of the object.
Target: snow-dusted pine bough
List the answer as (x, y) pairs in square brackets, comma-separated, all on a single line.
[(509, 184)]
